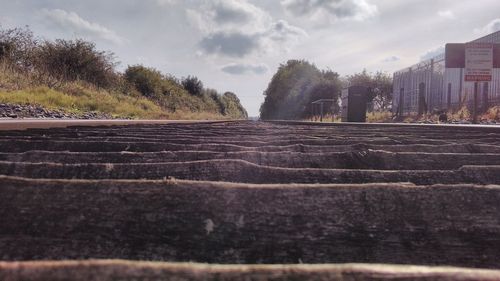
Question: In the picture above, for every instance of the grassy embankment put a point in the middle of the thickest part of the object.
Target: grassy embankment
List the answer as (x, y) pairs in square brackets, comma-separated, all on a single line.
[(74, 77), (80, 97)]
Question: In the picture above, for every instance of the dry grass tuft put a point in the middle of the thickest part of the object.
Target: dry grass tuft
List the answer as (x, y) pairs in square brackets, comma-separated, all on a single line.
[(379, 117)]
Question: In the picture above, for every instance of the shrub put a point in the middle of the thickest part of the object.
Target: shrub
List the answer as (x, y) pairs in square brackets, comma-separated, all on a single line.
[(233, 107), (17, 48), (193, 85), (148, 81), (74, 74), (71, 60)]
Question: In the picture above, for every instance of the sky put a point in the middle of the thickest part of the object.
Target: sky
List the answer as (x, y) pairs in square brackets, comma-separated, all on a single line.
[(237, 45)]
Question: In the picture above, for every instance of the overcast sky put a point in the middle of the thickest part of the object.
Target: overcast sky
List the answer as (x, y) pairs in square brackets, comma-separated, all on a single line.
[(237, 45)]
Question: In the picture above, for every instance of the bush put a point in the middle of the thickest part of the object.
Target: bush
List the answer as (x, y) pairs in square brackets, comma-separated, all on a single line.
[(233, 107), (17, 48), (193, 85), (66, 70), (148, 81), (71, 60)]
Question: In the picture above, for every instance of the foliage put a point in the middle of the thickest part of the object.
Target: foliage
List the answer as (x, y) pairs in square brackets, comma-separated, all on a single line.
[(28, 64), (17, 48), (72, 60), (233, 107), (379, 82), (461, 114), (492, 114), (193, 85), (379, 117), (147, 81), (170, 94), (78, 98), (295, 85)]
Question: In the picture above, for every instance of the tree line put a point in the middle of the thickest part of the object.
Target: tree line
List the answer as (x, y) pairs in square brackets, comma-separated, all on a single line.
[(298, 83), (54, 63)]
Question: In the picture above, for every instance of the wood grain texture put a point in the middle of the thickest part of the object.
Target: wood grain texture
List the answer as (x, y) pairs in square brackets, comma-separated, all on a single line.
[(212, 222)]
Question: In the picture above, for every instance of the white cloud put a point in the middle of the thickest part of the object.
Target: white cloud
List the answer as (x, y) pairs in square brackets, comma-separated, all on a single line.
[(238, 28), (166, 2), (446, 14), (72, 22), (219, 15), (331, 10), (391, 59), (492, 26), (432, 53), (242, 68), (232, 44), (282, 31)]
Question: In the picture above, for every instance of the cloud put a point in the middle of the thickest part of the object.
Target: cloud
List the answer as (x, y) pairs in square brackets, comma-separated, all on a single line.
[(432, 53), (492, 26), (331, 10), (217, 15), (391, 59), (279, 36), (166, 2), (231, 44), (238, 28), (72, 22), (241, 68), (282, 31), (229, 12), (446, 14)]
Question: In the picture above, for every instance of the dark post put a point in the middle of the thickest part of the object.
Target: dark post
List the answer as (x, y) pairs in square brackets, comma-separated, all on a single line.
[(321, 118), (474, 110)]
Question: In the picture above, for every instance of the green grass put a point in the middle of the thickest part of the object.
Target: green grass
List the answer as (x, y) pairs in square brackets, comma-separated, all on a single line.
[(118, 105), (76, 97), (86, 100), (79, 97)]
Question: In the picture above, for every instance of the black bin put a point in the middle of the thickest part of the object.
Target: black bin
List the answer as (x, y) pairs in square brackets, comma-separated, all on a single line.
[(354, 100)]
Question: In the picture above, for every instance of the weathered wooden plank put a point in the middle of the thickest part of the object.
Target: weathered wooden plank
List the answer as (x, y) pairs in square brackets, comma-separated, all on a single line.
[(211, 222), (108, 270)]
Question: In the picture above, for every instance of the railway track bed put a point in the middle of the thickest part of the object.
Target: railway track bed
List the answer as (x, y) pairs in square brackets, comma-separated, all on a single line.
[(252, 193)]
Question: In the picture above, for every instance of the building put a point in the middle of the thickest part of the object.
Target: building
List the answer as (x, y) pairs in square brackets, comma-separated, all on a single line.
[(437, 84)]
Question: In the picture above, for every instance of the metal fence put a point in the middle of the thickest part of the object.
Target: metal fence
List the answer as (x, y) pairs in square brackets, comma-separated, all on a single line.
[(419, 88), (429, 87)]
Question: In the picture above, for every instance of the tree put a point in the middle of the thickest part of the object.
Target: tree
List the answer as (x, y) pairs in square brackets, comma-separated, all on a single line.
[(233, 107), (193, 85), (380, 84), (294, 86)]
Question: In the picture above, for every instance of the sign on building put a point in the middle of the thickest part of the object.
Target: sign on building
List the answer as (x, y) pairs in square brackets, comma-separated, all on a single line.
[(478, 61)]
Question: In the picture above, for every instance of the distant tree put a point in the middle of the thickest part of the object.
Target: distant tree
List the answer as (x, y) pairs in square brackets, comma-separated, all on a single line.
[(233, 106), (148, 81), (379, 82), (294, 86), (193, 85), (217, 98)]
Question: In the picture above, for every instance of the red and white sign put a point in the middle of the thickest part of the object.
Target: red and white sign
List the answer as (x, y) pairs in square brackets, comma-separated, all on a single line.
[(478, 62)]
